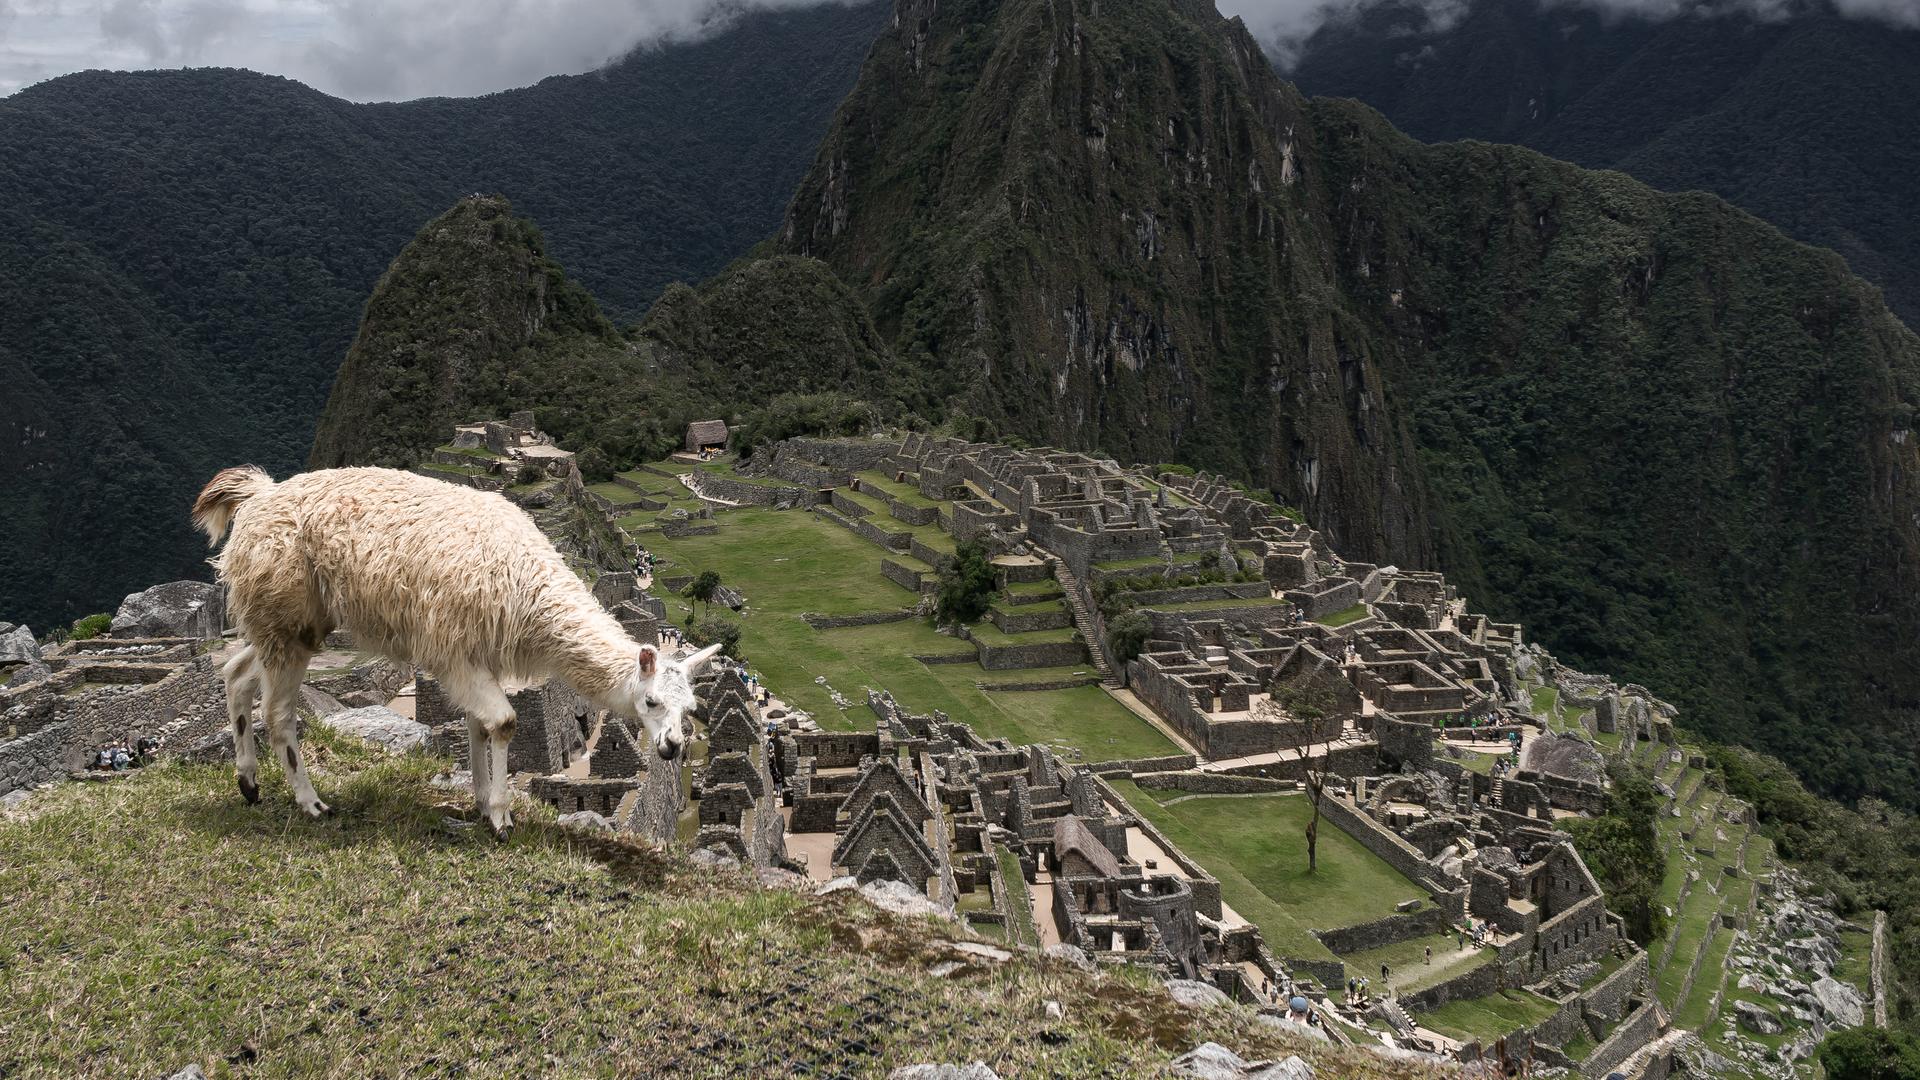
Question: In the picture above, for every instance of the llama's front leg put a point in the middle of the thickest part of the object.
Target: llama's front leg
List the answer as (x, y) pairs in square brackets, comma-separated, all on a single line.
[(489, 729), (479, 761), (243, 688), (499, 794), (283, 686)]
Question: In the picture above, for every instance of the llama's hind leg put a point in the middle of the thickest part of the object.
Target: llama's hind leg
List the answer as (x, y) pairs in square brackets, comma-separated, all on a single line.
[(242, 674), (282, 688)]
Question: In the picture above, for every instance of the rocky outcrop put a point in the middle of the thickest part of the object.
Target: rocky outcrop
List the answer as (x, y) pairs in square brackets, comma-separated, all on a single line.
[(379, 725), (17, 645), (192, 609)]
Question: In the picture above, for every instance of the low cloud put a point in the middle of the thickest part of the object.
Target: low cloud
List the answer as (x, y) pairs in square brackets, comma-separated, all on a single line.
[(375, 50), (365, 50), (1285, 25)]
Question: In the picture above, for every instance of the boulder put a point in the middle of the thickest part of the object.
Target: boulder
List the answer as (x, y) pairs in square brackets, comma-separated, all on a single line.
[(976, 1071), (1841, 1003), (586, 821), (381, 725), (1210, 1061), (1069, 954), (1197, 995), (192, 609), (1756, 1019), (1292, 1027), (17, 645), (901, 899), (319, 702), (1287, 1068)]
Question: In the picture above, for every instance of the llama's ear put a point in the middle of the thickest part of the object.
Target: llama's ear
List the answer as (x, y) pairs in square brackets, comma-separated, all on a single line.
[(699, 659), (649, 661)]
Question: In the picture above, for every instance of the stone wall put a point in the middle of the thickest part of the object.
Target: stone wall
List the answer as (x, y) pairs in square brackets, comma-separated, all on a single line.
[(656, 810), (1383, 932), (1024, 618), (865, 618), (907, 577), (47, 754), (1633, 1033), (1047, 654), (1375, 837), (1212, 783)]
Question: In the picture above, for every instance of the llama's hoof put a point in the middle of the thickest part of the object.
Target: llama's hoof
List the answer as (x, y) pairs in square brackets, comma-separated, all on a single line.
[(318, 810), (249, 790), (500, 832)]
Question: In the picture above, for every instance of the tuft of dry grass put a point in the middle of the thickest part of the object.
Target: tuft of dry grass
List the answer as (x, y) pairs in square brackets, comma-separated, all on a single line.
[(157, 920)]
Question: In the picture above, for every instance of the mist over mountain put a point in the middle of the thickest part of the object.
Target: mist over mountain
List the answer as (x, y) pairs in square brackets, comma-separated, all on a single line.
[(1798, 110), (184, 256)]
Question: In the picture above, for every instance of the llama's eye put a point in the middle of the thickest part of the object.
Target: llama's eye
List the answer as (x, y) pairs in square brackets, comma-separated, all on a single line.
[(653, 703)]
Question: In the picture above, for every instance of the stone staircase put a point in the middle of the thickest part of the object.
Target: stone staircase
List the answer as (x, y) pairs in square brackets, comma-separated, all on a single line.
[(1083, 620), (1395, 1016), (1497, 797)]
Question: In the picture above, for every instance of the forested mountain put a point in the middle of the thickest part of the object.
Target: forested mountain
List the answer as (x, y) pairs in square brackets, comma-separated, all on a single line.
[(1669, 439), (184, 255), (1803, 117)]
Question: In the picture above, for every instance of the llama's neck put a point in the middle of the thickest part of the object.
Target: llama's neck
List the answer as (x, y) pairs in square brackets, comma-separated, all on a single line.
[(586, 648)]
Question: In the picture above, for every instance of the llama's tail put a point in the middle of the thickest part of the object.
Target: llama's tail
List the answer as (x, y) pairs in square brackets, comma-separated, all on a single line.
[(213, 511)]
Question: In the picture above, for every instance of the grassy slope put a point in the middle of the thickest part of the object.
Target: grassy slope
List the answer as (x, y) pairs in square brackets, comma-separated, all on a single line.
[(787, 563), (172, 923), (1255, 846)]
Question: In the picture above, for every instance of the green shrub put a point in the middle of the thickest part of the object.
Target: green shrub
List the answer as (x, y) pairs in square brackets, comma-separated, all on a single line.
[(966, 585), (1868, 1053), (596, 467), (92, 626), (717, 628), (1127, 635)]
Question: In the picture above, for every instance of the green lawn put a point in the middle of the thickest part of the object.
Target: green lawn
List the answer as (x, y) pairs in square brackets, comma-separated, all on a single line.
[(788, 562), (1344, 616), (1488, 1018), (1255, 845), (906, 493)]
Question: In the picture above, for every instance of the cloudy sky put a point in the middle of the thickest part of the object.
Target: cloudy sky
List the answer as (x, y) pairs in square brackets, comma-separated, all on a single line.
[(373, 50)]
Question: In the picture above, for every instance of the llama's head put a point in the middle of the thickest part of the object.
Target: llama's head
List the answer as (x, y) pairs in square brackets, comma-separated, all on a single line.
[(661, 695)]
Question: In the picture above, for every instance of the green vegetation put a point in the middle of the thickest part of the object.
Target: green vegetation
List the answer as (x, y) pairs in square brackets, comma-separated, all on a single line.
[(90, 626), (966, 586), (717, 630), (1623, 851), (1254, 845), (1127, 635), (1488, 1017), (1343, 616), (702, 587), (1019, 899), (397, 939), (1869, 1053)]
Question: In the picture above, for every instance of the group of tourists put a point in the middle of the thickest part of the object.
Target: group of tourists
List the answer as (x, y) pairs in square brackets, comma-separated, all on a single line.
[(642, 562), (119, 757)]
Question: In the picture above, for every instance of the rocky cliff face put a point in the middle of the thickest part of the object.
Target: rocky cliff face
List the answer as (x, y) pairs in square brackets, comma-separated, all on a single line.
[(1650, 426)]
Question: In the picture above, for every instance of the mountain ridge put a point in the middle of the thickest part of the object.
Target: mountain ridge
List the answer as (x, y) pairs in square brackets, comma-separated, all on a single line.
[(241, 220)]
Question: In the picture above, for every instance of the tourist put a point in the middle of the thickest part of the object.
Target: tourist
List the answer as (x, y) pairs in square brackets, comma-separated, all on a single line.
[(121, 759), (1383, 973), (1429, 955)]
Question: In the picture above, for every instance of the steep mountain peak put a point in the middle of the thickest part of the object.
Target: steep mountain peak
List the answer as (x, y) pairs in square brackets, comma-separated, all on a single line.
[(444, 325)]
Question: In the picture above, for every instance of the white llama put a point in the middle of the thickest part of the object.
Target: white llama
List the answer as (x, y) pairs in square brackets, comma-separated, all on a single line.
[(458, 581)]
